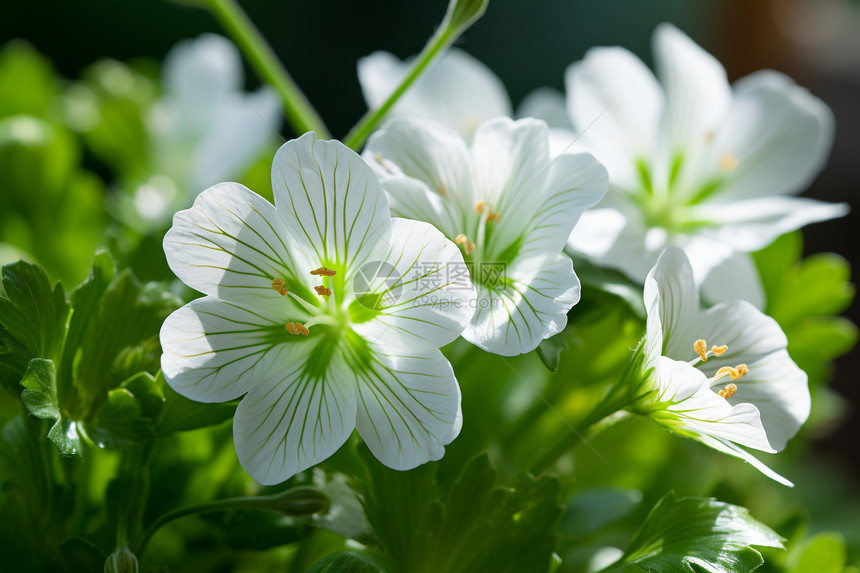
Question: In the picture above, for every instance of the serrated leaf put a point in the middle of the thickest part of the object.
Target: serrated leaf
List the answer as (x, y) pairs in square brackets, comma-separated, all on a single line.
[(40, 398), (119, 422), (476, 526), (32, 313), (129, 315), (688, 535), (348, 562)]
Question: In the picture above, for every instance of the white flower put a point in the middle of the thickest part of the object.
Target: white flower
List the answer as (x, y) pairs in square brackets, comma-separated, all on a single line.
[(456, 90), (322, 310), (722, 376), (509, 208), (205, 128), (694, 162)]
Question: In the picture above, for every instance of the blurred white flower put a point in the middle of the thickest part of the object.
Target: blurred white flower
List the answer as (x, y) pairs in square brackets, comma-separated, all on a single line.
[(322, 311), (508, 206), (205, 128), (694, 162), (457, 90), (721, 376)]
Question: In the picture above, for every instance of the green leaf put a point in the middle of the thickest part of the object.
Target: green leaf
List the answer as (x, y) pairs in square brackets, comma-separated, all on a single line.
[(119, 422), (594, 509), (549, 350), (40, 397), (690, 534), (824, 553), (27, 80), (32, 313), (181, 414), (348, 562), (128, 316), (476, 525)]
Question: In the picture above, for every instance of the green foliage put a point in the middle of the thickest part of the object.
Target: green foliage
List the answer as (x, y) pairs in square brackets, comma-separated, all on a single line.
[(473, 525), (549, 351), (824, 553), (687, 535), (594, 509), (803, 296), (348, 562)]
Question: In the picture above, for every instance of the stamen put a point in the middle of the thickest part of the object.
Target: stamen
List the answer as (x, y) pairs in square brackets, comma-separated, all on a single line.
[(710, 136), (480, 206), (322, 291), (735, 373), (297, 328), (699, 346), (719, 350), (383, 161), (442, 191), (468, 246), (323, 272), (280, 286), (728, 391), (729, 162), (494, 217)]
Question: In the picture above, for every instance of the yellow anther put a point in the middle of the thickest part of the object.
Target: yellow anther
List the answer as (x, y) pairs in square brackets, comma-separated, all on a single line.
[(728, 391), (728, 162), (280, 286), (710, 136), (322, 291), (442, 191), (324, 272), (468, 246), (700, 346), (719, 350), (495, 217), (480, 206), (383, 161), (735, 373), (297, 328)]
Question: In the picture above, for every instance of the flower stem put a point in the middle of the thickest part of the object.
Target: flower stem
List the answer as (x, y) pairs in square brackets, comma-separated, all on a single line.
[(593, 425), (297, 502), (300, 114), (460, 15)]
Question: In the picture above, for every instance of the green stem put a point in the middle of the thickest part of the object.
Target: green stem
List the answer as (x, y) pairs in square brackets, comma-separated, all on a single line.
[(301, 115), (440, 41), (298, 501), (593, 425)]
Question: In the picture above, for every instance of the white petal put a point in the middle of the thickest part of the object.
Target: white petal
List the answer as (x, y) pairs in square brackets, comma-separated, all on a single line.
[(615, 102), (431, 153), (296, 419), (511, 163), (547, 104), (753, 224), (774, 383), (421, 289), (330, 201), (238, 132), (457, 90), (697, 409), (408, 406), (780, 391), (531, 306), (230, 244), (672, 278), (727, 447), (215, 351), (697, 90), (199, 73), (736, 278), (777, 136), (575, 183)]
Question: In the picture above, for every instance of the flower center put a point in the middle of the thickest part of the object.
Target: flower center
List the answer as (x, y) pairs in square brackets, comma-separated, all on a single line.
[(326, 313), (701, 348), (486, 216)]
